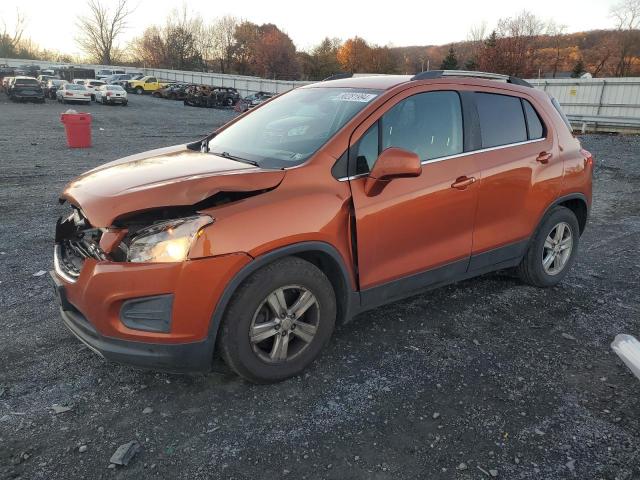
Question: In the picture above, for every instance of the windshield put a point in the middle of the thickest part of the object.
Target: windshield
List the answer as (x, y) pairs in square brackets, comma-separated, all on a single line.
[(114, 87), (74, 86), (288, 130)]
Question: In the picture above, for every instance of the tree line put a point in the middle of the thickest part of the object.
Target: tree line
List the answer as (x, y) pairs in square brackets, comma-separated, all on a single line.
[(522, 45)]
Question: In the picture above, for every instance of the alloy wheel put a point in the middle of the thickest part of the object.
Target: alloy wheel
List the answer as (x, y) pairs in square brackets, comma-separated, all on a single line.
[(557, 249), (284, 324)]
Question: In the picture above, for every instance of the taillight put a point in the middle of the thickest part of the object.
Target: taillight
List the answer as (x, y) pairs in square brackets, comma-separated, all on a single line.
[(68, 94), (108, 94), (588, 157), (87, 94)]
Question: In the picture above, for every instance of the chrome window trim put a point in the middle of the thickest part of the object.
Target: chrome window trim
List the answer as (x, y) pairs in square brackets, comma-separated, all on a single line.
[(457, 155)]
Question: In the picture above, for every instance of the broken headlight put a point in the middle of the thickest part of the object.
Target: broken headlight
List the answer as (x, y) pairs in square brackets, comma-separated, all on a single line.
[(167, 241)]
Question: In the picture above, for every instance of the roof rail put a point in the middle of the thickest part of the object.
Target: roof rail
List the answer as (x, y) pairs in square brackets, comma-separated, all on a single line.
[(432, 74), (338, 76)]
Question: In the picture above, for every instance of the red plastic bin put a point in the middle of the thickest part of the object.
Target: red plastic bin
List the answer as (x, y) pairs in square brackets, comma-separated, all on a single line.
[(78, 129)]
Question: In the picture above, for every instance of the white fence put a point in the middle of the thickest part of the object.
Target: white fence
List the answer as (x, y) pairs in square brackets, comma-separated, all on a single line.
[(597, 104), (244, 85), (607, 104)]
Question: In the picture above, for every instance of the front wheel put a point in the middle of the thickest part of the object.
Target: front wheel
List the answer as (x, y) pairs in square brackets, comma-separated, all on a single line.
[(278, 321), (139, 90), (552, 250)]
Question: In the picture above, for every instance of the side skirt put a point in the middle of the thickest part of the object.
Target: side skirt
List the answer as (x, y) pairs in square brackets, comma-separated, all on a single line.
[(504, 257)]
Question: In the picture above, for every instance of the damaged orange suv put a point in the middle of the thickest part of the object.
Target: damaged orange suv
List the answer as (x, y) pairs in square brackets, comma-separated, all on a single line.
[(319, 204)]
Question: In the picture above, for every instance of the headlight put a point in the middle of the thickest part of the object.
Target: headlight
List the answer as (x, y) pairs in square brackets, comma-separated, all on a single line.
[(168, 241)]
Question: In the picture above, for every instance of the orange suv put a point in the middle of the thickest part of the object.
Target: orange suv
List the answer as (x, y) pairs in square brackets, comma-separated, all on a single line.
[(319, 204)]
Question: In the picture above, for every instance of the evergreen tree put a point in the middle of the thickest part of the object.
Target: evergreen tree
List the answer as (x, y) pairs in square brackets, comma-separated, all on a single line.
[(578, 69), (450, 62), (471, 65)]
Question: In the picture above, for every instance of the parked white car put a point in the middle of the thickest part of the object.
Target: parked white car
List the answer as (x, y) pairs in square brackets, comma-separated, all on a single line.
[(90, 83), (100, 74), (73, 92), (111, 95)]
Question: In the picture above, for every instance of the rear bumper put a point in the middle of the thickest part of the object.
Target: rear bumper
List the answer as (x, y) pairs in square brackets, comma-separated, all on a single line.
[(179, 357)]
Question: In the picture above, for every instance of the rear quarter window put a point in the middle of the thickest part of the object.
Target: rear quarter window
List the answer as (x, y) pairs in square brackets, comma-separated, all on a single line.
[(501, 119), (534, 124), (558, 108)]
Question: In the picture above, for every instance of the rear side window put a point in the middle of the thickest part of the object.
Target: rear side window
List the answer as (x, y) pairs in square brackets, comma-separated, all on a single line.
[(501, 119), (534, 124)]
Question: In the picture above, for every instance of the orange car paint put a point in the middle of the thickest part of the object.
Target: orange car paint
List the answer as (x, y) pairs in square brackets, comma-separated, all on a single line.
[(451, 210)]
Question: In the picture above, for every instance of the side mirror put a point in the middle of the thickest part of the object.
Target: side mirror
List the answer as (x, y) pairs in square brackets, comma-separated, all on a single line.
[(392, 163)]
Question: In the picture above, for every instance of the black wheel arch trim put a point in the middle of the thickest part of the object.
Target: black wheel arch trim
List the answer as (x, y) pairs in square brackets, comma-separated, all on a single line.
[(564, 198), (352, 297)]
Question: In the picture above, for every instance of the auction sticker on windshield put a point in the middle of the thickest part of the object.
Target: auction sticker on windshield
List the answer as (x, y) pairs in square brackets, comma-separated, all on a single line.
[(356, 97)]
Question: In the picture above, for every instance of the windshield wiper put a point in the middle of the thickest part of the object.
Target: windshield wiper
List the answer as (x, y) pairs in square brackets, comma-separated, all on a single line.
[(237, 159)]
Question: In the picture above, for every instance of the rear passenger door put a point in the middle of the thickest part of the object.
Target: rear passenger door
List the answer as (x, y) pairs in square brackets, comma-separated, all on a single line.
[(521, 175), (416, 231)]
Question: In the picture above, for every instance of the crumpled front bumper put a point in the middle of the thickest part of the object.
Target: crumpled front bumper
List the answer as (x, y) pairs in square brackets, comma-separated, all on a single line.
[(91, 309)]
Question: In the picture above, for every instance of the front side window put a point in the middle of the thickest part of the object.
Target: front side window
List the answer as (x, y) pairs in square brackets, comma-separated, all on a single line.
[(429, 124), (288, 130), (501, 119)]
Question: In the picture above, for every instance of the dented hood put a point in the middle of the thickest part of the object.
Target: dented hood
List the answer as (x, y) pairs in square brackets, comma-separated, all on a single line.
[(167, 177)]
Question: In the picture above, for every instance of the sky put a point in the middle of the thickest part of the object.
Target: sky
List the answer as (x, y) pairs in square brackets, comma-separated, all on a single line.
[(397, 23)]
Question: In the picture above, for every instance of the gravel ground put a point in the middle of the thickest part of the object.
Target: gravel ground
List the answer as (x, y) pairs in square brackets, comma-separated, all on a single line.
[(483, 378)]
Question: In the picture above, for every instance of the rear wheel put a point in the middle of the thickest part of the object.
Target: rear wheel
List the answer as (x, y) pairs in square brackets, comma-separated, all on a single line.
[(278, 321), (552, 250)]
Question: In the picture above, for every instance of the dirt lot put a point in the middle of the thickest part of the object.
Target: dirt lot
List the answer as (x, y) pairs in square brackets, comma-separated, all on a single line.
[(483, 378)]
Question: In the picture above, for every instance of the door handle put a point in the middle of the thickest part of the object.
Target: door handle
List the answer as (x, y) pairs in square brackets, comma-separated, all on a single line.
[(463, 182), (544, 157)]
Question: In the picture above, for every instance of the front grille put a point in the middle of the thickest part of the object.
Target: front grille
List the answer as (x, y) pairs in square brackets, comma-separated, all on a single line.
[(76, 240)]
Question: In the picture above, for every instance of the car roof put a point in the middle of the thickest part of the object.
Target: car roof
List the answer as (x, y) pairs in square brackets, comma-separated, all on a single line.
[(378, 82), (387, 82)]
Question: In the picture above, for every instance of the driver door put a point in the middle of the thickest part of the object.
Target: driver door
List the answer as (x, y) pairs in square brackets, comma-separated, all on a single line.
[(416, 231)]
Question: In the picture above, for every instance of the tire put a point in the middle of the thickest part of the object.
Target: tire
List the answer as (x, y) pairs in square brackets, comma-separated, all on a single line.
[(249, 307), (532, 269), (139, 90), (124, 104)]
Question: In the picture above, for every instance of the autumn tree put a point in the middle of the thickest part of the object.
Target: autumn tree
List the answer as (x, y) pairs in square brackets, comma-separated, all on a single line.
[(321, 62), (275, 54), (353, 55), (627, 16), (381, 60), (476, 37), (101, 29), (246, 37), (489, 59), (556, 33), (222, 32), (10, 39), (176, 45), (518, 42)]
